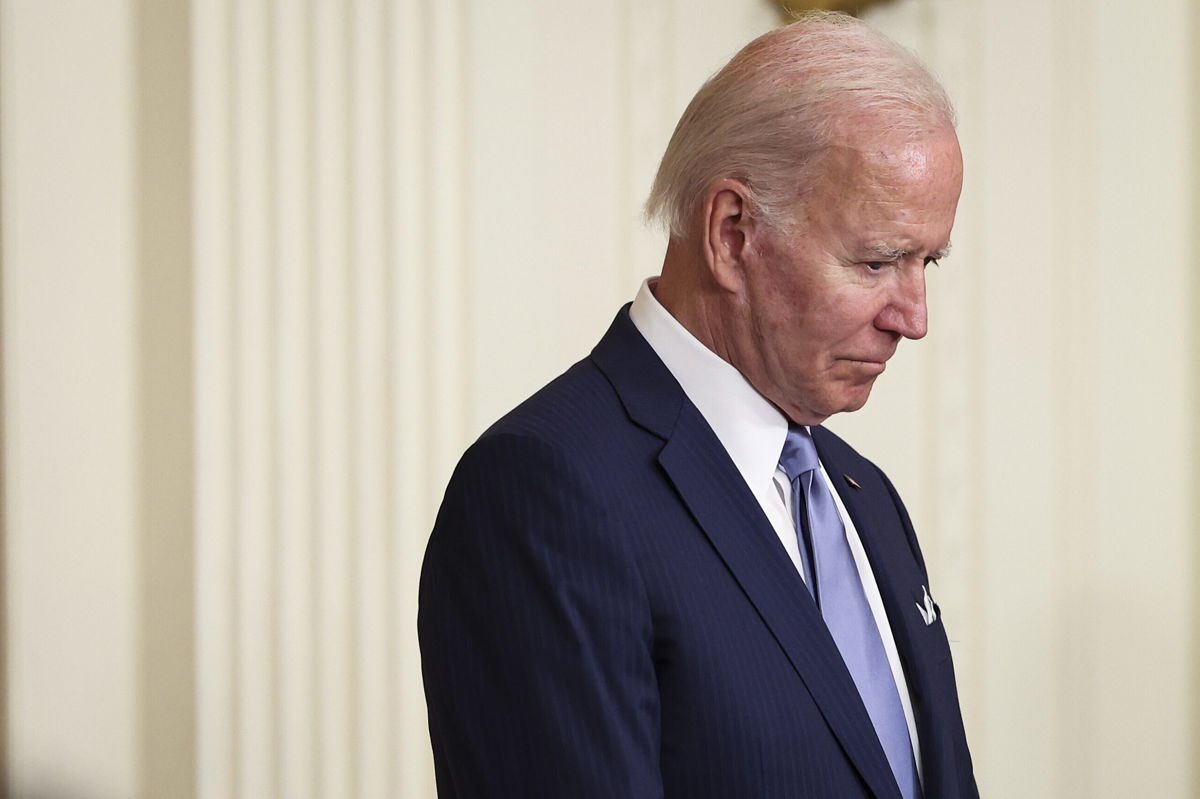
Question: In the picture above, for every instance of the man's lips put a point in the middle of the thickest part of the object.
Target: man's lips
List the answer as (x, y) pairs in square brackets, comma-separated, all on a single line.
[(872, 365), (877, 358), (880, 359)]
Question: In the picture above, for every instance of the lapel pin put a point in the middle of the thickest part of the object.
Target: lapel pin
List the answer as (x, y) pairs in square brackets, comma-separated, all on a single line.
[(853, 483)]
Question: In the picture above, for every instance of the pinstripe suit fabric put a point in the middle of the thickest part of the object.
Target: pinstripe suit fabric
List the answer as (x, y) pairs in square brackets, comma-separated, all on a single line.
[(606, 612)]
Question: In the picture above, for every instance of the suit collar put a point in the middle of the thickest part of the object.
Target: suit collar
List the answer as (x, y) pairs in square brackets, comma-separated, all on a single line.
[(650, 394), (750, 428), (726, 510)]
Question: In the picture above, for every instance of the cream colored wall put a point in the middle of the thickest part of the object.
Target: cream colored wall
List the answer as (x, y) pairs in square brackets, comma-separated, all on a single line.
[(268, 265), (97, 428), (71, 497)]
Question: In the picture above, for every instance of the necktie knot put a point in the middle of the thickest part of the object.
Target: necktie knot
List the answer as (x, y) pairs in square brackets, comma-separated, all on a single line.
[(799, 454)]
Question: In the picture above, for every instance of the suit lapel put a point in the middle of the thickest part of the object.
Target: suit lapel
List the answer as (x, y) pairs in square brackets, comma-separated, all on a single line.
[(720, 501), (727, 512), (900, 579)]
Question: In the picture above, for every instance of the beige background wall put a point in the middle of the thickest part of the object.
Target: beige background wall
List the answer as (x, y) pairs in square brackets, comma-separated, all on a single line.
[(268, 265)]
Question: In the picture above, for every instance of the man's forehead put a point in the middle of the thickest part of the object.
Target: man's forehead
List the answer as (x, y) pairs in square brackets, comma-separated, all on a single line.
[(884, 152)]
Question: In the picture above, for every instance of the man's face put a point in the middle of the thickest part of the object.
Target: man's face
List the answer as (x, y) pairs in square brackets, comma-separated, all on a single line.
[(825, 305)]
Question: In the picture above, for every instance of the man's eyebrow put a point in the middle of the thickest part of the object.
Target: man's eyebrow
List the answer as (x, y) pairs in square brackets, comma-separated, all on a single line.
[(886, 252)]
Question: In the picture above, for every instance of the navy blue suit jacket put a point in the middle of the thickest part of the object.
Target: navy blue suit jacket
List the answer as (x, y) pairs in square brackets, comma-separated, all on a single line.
[(605, 611)]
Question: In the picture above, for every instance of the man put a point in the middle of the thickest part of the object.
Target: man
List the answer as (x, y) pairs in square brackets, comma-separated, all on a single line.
[(659, 576)]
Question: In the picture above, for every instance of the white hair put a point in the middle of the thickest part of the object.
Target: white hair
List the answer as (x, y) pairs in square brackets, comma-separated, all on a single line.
[(766, 117)]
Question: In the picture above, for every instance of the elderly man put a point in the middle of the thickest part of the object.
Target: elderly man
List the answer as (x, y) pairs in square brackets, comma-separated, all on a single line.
[(659, 576)]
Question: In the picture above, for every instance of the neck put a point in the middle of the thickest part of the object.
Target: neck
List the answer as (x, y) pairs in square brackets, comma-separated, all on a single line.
[(694, 301)]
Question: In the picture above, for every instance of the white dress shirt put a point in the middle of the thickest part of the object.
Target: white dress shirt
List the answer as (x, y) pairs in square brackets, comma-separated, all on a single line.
[(752, 431)]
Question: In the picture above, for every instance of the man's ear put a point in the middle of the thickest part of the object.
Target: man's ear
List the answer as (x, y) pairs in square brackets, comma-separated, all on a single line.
[(729, 231)]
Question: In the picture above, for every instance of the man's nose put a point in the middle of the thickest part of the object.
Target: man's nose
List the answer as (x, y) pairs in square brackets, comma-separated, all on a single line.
[(906, 313)]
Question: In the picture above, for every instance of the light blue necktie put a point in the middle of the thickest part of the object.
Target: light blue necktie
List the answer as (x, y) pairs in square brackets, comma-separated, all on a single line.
[(843, 605)]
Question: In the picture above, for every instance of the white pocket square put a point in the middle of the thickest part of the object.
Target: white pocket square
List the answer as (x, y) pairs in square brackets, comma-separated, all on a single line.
[(926, 606)]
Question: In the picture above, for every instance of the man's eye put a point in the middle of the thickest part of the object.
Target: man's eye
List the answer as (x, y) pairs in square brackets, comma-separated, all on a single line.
[(933, 261), (877, 266)]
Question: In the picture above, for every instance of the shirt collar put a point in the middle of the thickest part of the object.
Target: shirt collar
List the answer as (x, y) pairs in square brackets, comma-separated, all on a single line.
[(750, 429)]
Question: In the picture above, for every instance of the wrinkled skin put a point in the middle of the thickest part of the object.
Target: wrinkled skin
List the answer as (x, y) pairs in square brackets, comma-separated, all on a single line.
[(810, 316)]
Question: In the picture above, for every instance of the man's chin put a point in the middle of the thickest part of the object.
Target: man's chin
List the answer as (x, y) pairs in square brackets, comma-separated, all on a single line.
[(814, 407), (856, 396)]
